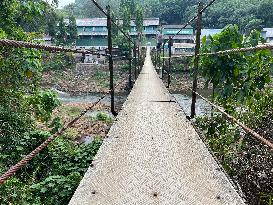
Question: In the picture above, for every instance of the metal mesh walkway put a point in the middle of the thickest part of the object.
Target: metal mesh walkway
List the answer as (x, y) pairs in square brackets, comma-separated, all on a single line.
[(153, 156)]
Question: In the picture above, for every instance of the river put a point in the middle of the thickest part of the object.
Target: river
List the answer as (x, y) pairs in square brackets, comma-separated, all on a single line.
[(183, 99)]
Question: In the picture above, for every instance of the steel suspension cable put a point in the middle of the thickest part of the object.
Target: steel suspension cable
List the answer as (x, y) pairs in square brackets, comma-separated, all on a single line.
[(192, 19), (105, 13)]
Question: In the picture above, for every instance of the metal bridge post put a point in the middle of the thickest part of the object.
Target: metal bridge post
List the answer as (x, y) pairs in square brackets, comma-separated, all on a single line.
[(135, 60), (138, 57), (111, 67), (159, 60), (196, 58), (130, 65), (155, 58), (170, 55), (163, 61)]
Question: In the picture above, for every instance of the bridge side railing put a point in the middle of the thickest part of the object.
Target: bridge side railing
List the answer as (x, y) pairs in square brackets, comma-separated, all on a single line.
[(196, 56), (54, 49)]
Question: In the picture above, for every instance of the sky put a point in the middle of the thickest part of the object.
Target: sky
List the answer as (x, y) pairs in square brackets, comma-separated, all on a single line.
[(65, 2)]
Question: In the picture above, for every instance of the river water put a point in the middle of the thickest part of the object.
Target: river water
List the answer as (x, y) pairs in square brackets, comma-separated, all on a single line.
[(183, 99)]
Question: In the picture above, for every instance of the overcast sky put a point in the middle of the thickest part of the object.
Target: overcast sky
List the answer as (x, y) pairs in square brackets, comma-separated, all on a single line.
[(65, 2)]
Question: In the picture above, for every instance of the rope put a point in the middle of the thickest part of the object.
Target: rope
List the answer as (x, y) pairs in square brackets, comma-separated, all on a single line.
[(180, 56), (238, 50), (23, 44), (225, 52), (36, 151), (234, 120)]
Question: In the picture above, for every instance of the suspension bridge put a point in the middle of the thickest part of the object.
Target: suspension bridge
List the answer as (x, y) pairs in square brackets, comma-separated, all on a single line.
[(152, 154)]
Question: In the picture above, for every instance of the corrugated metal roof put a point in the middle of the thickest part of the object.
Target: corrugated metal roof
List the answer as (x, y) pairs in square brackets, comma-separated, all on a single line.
[(184, 45), (151, 22), (146, 22), (103, 22)]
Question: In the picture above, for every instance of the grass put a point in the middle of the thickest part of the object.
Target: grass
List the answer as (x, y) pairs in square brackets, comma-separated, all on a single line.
[(101, 116), (71, 133)]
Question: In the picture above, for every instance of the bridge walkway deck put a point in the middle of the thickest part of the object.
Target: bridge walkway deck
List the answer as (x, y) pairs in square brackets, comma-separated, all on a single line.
[(153, 156)]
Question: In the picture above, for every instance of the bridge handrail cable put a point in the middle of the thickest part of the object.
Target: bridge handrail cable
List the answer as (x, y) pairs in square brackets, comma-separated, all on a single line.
[(25, 44), (226, 52), (24, 161), (234, 120)]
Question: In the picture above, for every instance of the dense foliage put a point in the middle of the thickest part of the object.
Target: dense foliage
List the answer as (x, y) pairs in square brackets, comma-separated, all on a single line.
[(26, 111), (247, 14), (242, 85)]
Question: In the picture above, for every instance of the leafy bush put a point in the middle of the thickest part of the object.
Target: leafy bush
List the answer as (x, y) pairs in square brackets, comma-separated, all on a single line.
[(43, 104), (54, 174), (59, 188), (241, 83), (236, 77), (222, 137), (71, 133), (101, 116)]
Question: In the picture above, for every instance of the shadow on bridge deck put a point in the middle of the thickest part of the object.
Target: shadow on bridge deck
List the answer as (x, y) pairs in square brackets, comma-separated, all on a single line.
[(153, 155)]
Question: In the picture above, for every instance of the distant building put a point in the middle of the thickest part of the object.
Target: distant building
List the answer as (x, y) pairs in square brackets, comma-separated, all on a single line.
[(151, 26), (267, 34), (184, 42), (93, 32)]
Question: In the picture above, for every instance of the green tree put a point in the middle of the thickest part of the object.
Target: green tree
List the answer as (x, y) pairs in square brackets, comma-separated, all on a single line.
[(62, 32), (139, 19), (52, 176), (72, 30), (126, 20), (236, 77), (86, 9), (52, 20)]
